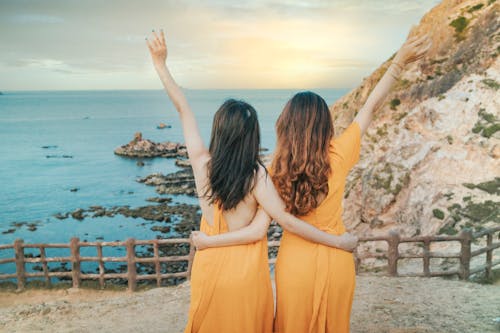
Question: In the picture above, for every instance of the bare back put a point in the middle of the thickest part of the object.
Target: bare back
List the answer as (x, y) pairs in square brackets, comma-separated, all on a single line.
[(236, 218)]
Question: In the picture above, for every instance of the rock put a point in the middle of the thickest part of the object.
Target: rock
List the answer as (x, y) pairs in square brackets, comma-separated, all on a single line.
[(162, 126), (78, 214), (140, 163), (495, 151), (183, 163), (186, 215), (61, 216), (443, 134), (58, 156), (137, 138), (140, 147), (180, 182), (99, 213), (159, 199), (162, 229)]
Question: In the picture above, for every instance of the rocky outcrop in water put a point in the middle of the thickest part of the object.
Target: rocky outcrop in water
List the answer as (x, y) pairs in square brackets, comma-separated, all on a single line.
[(180, 182), (140, 147), (430, 160), (183, 217)]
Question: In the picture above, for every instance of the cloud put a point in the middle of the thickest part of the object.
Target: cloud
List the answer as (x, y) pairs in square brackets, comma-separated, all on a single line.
[(53, 65), (35, 18), (215, 44)]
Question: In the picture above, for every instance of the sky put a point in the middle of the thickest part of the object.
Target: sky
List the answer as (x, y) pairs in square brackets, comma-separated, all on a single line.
[(260, 44)]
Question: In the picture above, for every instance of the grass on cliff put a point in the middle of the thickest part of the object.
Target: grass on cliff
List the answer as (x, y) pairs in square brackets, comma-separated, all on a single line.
[(460, 24), (438, 213), (487, 125), (476, 7), (394, 103), (491, 83), (473, 214), (491, 187)]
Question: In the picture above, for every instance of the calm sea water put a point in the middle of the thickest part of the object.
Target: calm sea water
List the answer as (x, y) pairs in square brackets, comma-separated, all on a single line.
[(89, 125)]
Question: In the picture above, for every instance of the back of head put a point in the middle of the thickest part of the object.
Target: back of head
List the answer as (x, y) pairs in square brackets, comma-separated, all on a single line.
[(234, 150), (301, 163)]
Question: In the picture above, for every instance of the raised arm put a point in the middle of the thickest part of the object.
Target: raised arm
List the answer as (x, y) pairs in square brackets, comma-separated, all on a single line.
[(198, 153), (412, 50), (195, 146)]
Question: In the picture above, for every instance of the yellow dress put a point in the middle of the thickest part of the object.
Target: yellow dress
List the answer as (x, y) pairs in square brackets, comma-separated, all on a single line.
[(230, 286), (315, 283)]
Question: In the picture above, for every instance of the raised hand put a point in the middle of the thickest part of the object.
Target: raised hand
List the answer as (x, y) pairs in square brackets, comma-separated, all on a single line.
[(157, 48), (412, 50)]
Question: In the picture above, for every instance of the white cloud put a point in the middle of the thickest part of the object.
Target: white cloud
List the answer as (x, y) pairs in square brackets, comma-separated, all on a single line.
[(35, 18)]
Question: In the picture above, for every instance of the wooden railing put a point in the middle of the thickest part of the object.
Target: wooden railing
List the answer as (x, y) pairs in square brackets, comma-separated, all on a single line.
[(392, 256), (465, 256), (76, 259)]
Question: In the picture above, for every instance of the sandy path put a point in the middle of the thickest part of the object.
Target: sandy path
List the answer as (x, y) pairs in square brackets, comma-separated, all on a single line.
[(395, 305)]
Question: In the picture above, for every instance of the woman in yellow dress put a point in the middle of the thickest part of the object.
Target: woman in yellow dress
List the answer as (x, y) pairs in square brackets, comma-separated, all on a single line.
[(231, 286), (315, 283)]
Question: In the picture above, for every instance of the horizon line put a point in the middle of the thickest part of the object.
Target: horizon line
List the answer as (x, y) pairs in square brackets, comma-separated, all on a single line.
[(183, 88)]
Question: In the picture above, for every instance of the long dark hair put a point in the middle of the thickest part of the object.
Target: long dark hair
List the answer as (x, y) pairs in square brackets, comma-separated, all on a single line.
[(234, 150), (301, 164)]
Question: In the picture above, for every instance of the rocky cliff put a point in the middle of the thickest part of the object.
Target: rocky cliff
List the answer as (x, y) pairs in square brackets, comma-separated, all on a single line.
[(430, 162)]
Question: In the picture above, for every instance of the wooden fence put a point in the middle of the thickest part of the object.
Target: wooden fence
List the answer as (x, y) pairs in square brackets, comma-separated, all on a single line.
[(465, 256), (392, 255), (76, 259)]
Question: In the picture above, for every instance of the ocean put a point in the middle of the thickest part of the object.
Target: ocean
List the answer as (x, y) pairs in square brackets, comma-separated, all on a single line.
[(53, 142)]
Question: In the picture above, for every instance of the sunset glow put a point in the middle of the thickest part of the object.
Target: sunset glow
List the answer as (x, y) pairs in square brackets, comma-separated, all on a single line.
[(221, 44)]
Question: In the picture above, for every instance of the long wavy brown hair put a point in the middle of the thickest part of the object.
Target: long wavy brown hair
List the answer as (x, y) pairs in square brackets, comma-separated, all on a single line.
[(301, 164)]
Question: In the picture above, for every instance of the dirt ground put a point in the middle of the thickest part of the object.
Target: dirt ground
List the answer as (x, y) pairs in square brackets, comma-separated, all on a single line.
[(381, 304)]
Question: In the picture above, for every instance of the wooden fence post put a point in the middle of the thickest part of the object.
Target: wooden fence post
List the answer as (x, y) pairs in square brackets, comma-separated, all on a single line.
[(192, 251), (393, 253), (156, 255), (75, 261), (465, 254), (489, 257), (44, 266), (131, 269), (19, 253), (426, 258), (101, 265)]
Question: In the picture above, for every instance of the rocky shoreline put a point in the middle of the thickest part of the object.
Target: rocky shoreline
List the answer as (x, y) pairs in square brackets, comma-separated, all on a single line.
[(139, 147), (180, 182), (182, 217)]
